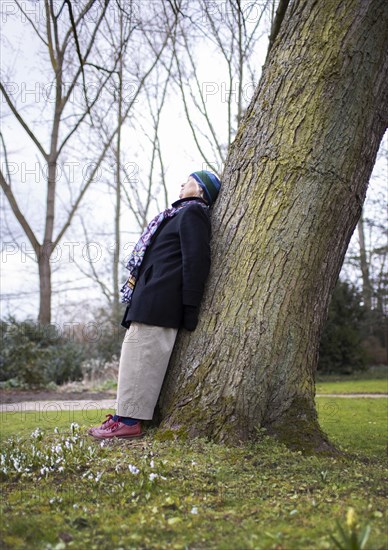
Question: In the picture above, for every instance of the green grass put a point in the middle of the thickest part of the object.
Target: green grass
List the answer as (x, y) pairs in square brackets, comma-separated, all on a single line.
[(353, 386), (205, 496), (372, 380), (356, 425)]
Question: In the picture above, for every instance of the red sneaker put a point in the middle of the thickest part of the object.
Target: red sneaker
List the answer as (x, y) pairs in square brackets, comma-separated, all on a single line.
[(106, 424), (119, 430)]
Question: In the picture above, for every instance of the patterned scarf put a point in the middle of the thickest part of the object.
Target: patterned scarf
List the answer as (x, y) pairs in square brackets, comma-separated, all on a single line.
[(137, 254)]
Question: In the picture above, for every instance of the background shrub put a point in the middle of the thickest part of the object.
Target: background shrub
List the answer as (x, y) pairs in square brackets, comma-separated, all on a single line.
[(341, 348), (33, 354)]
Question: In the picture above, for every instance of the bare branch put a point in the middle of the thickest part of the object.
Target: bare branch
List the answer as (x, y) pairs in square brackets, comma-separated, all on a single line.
[(22, 122), (53, 60), (81, 61), (280, 13), (80, 17), (31, 22), (18, 214)]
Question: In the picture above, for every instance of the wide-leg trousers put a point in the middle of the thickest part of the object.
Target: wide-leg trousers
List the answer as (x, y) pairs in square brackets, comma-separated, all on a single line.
[(144, 359)]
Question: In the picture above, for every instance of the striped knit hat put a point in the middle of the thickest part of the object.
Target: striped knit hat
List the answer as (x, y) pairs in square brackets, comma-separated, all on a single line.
[(209, 183)]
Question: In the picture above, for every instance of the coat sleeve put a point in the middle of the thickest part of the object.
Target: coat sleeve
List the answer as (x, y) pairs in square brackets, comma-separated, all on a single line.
[(194, 232)]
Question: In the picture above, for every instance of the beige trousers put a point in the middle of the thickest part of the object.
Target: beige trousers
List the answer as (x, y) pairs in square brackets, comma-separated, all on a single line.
[(145, 354)]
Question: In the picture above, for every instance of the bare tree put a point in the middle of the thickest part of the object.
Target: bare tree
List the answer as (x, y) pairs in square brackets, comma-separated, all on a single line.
[(60, 37), (75, 38)]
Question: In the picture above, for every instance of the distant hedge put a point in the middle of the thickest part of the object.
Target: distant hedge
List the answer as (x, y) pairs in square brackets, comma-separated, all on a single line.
[(341, 347), (33, 355)]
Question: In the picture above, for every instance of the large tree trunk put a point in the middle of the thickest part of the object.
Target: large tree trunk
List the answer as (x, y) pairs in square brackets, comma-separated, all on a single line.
[(293, 188)]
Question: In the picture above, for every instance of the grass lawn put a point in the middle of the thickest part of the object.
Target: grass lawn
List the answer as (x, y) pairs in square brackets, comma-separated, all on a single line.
[(62, 489), (373, 380), (353, 386)]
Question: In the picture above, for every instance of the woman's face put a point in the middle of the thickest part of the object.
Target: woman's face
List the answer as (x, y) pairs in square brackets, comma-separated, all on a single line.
[(190, 189)]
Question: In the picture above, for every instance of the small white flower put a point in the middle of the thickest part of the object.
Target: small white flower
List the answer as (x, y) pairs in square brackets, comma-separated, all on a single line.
[(133, 469), (56, 431), (193, 463), (152, 477), (98, 476), (152, 464), (194, 510), (61, 469), (75, 506), (36, 433), (102, 444)]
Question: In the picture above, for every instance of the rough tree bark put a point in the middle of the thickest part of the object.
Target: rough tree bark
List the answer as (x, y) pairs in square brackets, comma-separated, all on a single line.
[(293, 188)]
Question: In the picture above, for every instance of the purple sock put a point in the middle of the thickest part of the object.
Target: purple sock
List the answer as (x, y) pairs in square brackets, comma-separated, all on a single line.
[(125, 420)]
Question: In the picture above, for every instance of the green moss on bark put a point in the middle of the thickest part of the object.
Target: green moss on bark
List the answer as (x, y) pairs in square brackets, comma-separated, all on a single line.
[(298, 428)]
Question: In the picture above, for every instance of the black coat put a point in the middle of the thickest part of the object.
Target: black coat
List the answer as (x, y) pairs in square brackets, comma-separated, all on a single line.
[(173, 271)]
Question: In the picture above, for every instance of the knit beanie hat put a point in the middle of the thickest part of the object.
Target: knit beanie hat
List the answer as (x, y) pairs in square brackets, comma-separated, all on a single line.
[(209, 183)]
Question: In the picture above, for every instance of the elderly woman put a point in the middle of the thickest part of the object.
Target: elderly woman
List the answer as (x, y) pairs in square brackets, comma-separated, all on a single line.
[(168, 269)]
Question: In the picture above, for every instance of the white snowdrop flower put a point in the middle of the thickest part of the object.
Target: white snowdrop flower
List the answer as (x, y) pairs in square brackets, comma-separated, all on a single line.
[(193, 463), (152, 464), (52, 500), (98, 476), (75, 506), (102, 444), (133, 469), (90, 476), (36, 433), (194, 510), (162, 477), (56, 431), (61, 469), (152, 477), (74, 426)]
